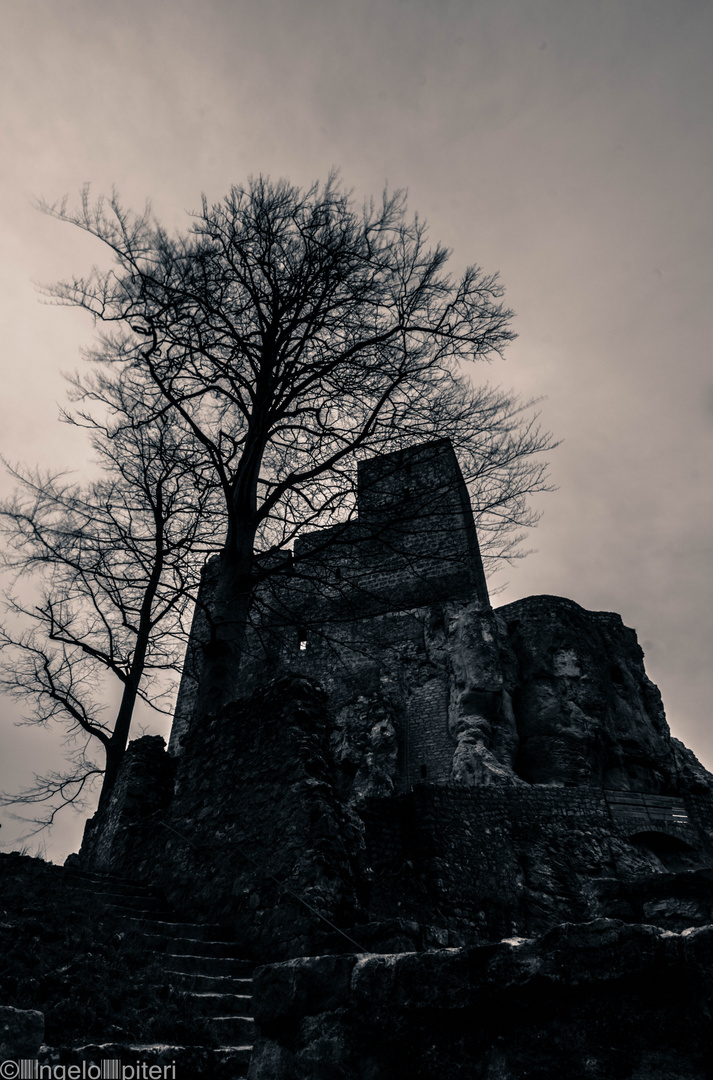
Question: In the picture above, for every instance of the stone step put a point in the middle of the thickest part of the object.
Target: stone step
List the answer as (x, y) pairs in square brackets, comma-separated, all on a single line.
[(191, 946), (229, 1062), (159, 912), (173, 929), (149, 907), (231, 1030), (189, 963), (214, 984), (215, 1004), (199, 962), (101, 883)]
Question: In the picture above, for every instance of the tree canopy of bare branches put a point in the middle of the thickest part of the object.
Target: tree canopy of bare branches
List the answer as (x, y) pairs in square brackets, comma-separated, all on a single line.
[(102, 574), (287, 335)]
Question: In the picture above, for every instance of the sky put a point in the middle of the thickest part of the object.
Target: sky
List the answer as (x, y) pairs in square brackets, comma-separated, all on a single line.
[(566, 144)]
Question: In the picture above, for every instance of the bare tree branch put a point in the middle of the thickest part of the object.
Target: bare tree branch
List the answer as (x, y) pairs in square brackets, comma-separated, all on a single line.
[(102, 577), (286, 337)]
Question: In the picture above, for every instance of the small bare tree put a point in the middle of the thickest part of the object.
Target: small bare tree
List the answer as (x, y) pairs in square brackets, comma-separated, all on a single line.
[(102, 576), (289, 335)]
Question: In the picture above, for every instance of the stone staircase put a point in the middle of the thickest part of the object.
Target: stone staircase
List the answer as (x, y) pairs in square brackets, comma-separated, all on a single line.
[(198, 961)]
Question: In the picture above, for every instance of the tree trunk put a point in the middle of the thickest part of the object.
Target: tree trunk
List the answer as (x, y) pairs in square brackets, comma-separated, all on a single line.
[(116, 746), (114, 757), (220, 676)]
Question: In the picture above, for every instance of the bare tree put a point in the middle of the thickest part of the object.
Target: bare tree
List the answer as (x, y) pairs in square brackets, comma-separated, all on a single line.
[(102, 576), (291, 334)]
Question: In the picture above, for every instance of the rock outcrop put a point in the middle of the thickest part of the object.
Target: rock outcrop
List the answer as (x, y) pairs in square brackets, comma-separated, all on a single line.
[(540, 691), (554, 789), (601, 999), (586, 712), (409, 770)]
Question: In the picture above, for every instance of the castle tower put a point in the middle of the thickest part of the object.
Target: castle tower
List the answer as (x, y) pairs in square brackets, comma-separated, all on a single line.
[(353, 592), (415, 501)]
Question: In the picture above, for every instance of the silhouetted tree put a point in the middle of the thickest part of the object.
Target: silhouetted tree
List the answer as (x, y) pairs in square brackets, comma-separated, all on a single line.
[(102, 576), (290, 334)]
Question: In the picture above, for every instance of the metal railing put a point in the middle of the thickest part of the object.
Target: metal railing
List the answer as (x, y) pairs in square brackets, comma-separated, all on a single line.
[(656, 810)]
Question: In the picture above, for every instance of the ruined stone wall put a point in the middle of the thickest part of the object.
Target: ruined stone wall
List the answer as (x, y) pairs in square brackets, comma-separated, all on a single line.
[(254, 835), (413, 543), (415, 695), (552, 785), (122, 835), (412, 546), (490, 862)]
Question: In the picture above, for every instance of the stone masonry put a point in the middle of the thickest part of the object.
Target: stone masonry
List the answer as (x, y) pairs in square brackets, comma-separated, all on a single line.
[(362, 608), (409, 767)]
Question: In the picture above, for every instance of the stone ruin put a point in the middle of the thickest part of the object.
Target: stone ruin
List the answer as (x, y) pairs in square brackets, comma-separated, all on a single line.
[(409, 769)]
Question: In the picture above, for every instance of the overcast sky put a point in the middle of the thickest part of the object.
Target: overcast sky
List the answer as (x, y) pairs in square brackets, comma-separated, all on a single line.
[(567, 144)]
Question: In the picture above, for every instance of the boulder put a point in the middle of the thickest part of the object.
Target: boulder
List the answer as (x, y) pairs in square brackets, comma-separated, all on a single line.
[(21, 1032)]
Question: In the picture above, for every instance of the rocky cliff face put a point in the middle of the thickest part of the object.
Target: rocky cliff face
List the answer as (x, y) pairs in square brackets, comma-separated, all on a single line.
[(552, 790), (567, 798), (586, 712), (545, 887), (540, 691)]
